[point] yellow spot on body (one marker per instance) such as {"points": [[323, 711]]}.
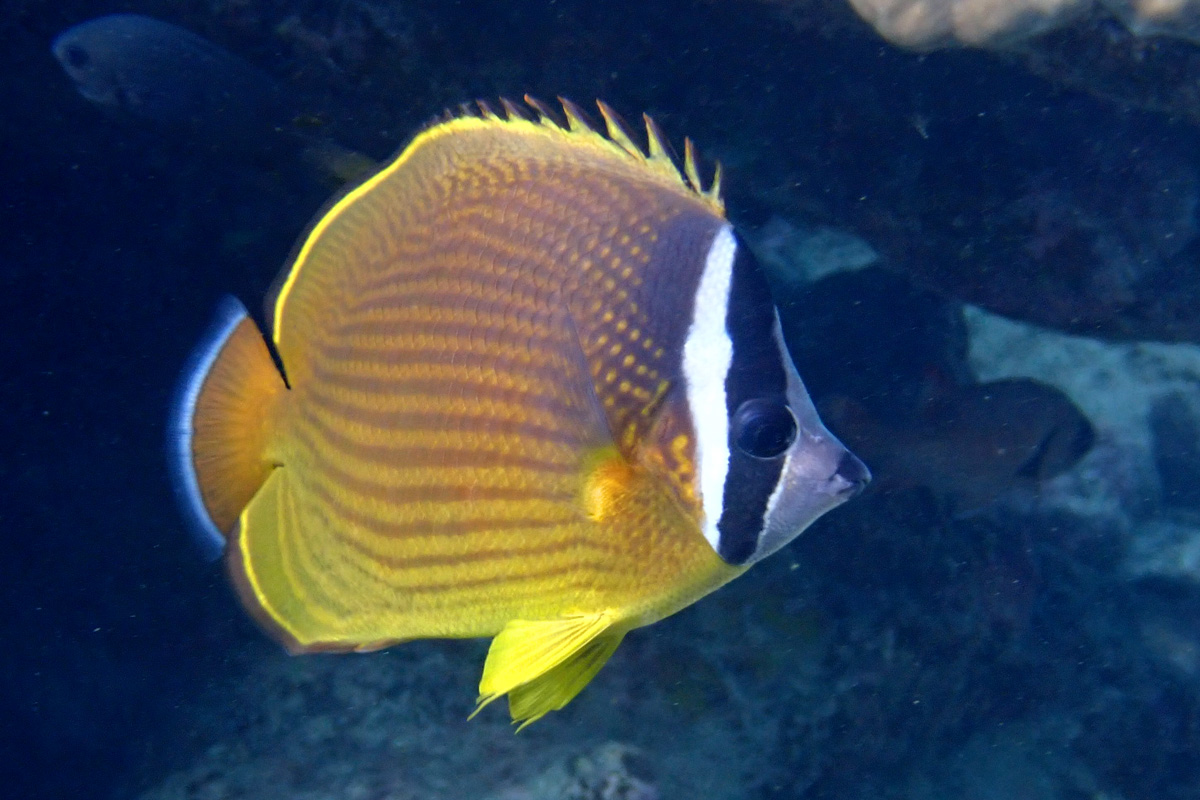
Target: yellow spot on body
{"points": [[641, 368], [606, 485], [629, 437], [625, 386], [615, 349], [628, 360], [610, 376], [679, 447], [608, 316], [622, 325], [634, 335]]}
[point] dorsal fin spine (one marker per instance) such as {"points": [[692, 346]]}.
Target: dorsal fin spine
{"points": [[618, 132], [576, 123], [714, 188], [511, 109], [545, 115], [657, 151], [487, 112], [656, 155], [689, 166]]}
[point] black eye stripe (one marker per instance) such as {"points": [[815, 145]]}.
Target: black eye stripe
{"points": [[756, 375], [756, 370]]}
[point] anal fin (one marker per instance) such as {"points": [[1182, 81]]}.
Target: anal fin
{"points": [[542, 664]]}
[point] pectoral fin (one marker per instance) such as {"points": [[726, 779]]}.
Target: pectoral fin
{"points": [[543, 664]]}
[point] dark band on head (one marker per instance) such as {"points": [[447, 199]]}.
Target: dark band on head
{"points": [[756, 372]]}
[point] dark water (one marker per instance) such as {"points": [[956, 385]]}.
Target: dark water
{"points": [[1039, 646]]}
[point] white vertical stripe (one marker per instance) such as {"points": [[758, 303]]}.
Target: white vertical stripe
{"points": [[707, 355]]}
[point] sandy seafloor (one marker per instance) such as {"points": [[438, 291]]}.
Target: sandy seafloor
{"points": [[1044, 648]]}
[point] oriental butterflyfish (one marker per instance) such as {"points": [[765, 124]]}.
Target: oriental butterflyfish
{"points": [[525, 382]]}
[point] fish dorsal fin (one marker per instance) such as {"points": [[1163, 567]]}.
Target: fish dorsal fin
{"points": [[576, 123], [510, 108], [692, 171], [653, 161], [618, 131], [655, 157], [528, 650]]}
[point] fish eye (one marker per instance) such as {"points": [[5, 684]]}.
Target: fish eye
{"points": [[77, 57], [764, 427]]}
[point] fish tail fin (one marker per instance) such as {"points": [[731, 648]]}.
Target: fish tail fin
{"points": [[542, 665], [218, 429]]}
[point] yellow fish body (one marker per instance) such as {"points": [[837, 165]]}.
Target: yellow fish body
{"points": [[533, 388]]}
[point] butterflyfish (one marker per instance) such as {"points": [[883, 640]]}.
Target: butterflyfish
{"points": [[525, 382]]}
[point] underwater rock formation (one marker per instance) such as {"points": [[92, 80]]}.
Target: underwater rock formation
{"points": [[1097, 237], [925, 24]]}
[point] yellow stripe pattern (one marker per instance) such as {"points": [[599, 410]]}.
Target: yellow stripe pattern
{"points": [[466, 336]]}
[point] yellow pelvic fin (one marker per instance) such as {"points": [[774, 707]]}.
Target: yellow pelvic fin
{"points": [[533, 660], [556, 688]]}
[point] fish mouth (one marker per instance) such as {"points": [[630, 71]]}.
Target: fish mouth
{"points": [[850, 477]]}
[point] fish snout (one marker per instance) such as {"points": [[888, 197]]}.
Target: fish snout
{"points": [[850, 477]]}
